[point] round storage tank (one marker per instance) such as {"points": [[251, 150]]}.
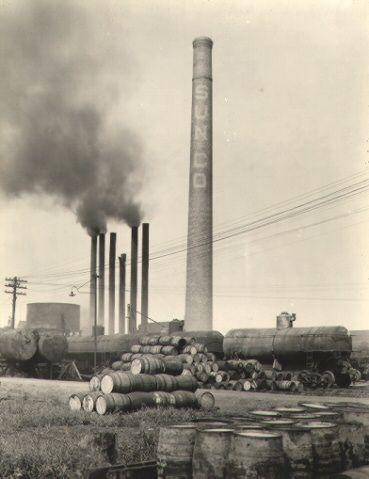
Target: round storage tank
{"points": [[56, 316]]}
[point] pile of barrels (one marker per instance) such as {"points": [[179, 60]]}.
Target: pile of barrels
{"points": [[151, 382], [305, 442]]}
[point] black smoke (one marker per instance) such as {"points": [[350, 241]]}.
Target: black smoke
{"points": [[61, 78]]}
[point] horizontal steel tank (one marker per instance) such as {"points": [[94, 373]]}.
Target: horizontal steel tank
{"points": [[110, 343], [286, 344], [63, 317]]}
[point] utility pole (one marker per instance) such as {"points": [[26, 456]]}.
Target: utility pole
{"points": [[14, 285]]}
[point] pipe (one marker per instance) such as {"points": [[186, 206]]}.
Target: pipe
{"points": [[112, 255], [132, 327], [199, 274], [93, 261], [122, 293], [101, 317], [145, 277]]}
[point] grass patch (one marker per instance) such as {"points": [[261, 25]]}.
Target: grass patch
{"points": [[41, 440]]}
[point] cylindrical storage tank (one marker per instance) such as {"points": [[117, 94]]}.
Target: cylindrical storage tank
{"points": [[52, 347], [114, 343], [175, 451], [286, 344], [17, 345], [211, 453], [63, 317], [256, 454]]}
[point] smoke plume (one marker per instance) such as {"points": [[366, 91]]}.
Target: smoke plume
{"points": [[62, 76]]}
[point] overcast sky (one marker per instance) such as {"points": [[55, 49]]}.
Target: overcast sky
{"points": [[291, 96]]}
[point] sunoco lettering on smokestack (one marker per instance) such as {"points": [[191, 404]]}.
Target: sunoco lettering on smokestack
{"points": [[101, 316], [132, 327], [145, 276], [93, 261], [112, 256], [122, 293], [199, 282]]}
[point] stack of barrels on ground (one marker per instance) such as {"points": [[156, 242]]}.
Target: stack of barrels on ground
{"points": [[153, 379], [306, 442], [22, 350]]}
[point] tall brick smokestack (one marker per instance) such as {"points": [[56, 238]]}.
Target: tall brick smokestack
{"points": [[101, 315], [93, 261], [112, 256], [199, 281], [132, 327], [145, 276], [122, 293]]}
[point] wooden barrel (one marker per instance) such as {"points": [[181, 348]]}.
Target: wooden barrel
{"points": [[202, 377], [120, 382], [175, 451], [270, 385], [136, 348], [136, 356], [285, 385], [125, 367], [200, 368], [200, 348], [89, 401], [75, 401], [197, 358], [141, 399], [126, 357], [185, 399], [154, 340], [178, 341], [185, 358], [112, 402], [149, 365], [52, 347], [148, 383], [167, 383], [211, 357], [205, 399], [173, 367], [186, 372], [298, 450], [144, 340], [187, 349], [187, 383], [116, 365], [256, 454], [353, 445], [270, 374], [211, 452], [207, 368], [16, 345], [95, 383], [163, 398], [222, 376], [169, 351], [326, 448], [156, 349], [146, 349], [165, 340]]}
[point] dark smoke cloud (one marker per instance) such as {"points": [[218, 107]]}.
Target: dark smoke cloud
{"points": [[61, 77]]}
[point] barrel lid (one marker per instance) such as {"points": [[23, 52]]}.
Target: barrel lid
{"points": [[290, 410], [101, 405], [182, 426], [262, 412], [317, 425], [318, 406], [258, 434], [136, 366], [278, 422], [217, 430], [107, 384]]}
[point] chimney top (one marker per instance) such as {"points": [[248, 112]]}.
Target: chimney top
{"points": [[202, 41]]}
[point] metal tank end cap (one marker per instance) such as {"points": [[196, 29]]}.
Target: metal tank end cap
{"points": [[203, 41]]}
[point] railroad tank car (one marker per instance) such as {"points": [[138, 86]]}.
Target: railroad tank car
{"points": [[360, 351], [314, 347], [110, 347]]}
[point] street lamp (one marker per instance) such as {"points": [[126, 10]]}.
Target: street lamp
{"points": [[72, 293]]}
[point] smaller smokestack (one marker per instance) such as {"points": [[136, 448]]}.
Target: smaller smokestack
{"points": [[112, 256], [145, 277], [132, 327], [93, 261], [122, 293], [101, 316]]}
